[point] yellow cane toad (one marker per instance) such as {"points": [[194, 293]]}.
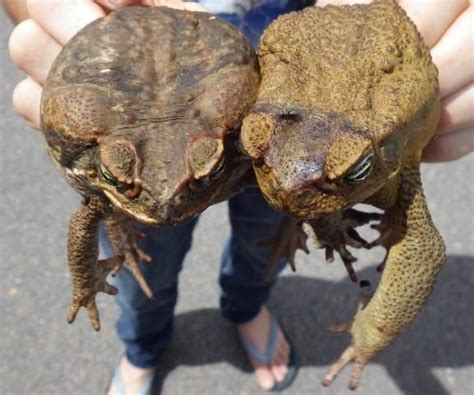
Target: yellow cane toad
{"points": [[348, 100]]}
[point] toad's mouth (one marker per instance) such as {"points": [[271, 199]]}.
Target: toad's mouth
{"points": [[167, 215], [140, 217]]}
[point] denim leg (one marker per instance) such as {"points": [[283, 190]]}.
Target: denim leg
{"points": [[145, 325], [242, 277]]}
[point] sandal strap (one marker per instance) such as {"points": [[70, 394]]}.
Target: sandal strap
{"points": [[266, 356], [117, 380], [145, 389]]}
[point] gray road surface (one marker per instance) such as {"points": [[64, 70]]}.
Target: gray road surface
{"points": [[41, 354]]}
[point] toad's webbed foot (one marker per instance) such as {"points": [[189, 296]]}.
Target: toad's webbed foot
{"points": [[287, 240], [336, 231], [85, 296], [125, 239], [350, 353]]}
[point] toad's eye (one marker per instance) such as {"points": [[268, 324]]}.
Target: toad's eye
{"points": [[216, 173], [218, 170], [107, 176], [361, 170]]}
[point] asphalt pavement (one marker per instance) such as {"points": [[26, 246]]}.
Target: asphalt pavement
{"points": [[41, 354]]}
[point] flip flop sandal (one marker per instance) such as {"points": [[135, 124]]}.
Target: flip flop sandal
{"points": [[266, 356], [118, 382]]}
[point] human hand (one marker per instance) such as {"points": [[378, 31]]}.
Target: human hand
{"points": [[446, 27], [35, 42]]}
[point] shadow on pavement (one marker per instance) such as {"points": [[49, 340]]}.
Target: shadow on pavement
{"points": [[440, 337]]}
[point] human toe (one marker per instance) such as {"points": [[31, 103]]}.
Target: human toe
{"points": [[264, 375]]}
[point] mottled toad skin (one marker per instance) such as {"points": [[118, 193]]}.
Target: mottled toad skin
{"points": [[348, 100], [141, 112]]}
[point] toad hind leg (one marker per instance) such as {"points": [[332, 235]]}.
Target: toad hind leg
{"points": [[414, 259], [87, 272]]}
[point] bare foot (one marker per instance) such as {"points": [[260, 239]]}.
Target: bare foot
{"points": [[256, 332], [133, 378]]}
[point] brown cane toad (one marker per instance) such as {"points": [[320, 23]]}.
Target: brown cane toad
{"points": [[348, 100], [141, 112]]}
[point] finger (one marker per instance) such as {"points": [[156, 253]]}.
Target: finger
{"points": [[354, 239], [380, 267], [453, 54], [433, 18], [115, 270], [349, 268], [62, 20], [356, 374], [302, 245], [457, 110], [132, 265], [111, 263], [384, 236], [450, 146], [16, 10], [345, 326], [72, 311], [347, 255], [361, 217], [93, 314], [346, 357], [117, 4], [110, 289], [143, 256], [26, 101], [323, 3], [195, 7], [329, 254], [33, 50], [178, 4], [292, 263]]}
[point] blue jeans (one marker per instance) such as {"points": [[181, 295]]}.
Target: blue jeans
{"points": [[145, 325]]}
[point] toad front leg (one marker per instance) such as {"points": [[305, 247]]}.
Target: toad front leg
{"points": [[287, 240], [415, 257], [336, 231], [87, 272], [333, 232], [125, 239]]}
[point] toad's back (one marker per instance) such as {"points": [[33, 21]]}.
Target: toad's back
{"points": [[368, 63], [143, 65]]}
